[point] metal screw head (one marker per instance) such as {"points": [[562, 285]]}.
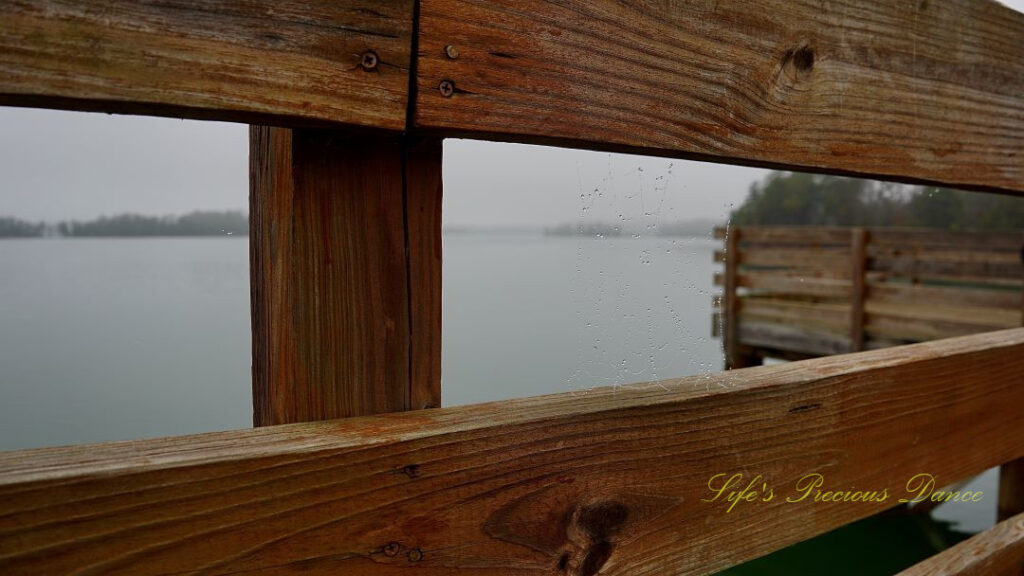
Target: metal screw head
{"points": [[451, 51], [447, 88], [415, 555], [369, 60], [391, 549]]}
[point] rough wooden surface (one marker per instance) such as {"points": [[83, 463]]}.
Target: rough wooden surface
{"points": [[609, 482], [730, 340], [294, 61], [1011, 489], [806, 288], [346, 274], [423, 161], [998, 551], [940, 296], [330, 304], [919, 90], [858, 263]]}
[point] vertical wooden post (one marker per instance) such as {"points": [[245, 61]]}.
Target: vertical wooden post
{"points": [[1011, 474], [336, 259], [858, 287], [423, 230], [1011, 489], [731, 337]]}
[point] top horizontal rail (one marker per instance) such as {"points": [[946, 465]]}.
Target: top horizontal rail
{"points": [[918, 91], [614, 481], [294, 62], [921, 90], [906, 237]]}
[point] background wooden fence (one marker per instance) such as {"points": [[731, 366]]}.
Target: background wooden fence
{"points": [[797, 292]]}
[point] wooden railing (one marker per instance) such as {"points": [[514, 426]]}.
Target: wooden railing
{"points": [[345, 256], [799, 292]]}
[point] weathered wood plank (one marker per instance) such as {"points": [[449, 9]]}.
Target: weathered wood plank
{"points": [[346, 274], [423, 189], [294, 61], [966, 264], [947, 254], [820, 314], [947, 279], [798, 236], [924, 91], [730, 340], [1011, 489], [895, 293], [917, 329], [611, 481], [998, 551], [889, 237], [858, 264], [771, 334], [928, 239], [835, 261], [330, 284], [980, 318], [772, 283]]}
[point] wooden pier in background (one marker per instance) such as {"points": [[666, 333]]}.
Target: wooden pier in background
{"points": [[796, 292]]}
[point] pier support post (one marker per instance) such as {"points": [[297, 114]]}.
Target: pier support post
{"points": [[736, 355], [1011, 489], [345, 256], [858, 290]]}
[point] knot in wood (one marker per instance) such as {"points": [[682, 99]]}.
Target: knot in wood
{"points": [[803, 58]]}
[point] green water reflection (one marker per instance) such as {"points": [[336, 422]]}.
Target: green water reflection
{"points": [[877, 546]]}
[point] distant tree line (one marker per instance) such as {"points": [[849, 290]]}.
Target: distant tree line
{"points": [[785, 198], [15, 228], [192, 224]]}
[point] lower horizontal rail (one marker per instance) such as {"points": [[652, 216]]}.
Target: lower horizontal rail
{"points": [[615, 480], [998, 551]]}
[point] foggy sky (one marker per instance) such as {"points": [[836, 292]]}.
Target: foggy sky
{"points": [[65, 165]]}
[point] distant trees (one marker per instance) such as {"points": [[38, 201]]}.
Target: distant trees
{"points": [[17, 228], [809, 199], [192, 224]]}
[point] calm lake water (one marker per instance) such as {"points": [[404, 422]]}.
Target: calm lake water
{"points": [[107, 339]]}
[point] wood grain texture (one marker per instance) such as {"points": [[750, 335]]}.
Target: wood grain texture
{"points": [[803, 286], [924, 90], [941, 296], [610, 481], [770, 282], [773, 336], [345, 248], [330, 285], [1011, 489], [294, 61], [858, 264], [730, 338], [423, 163], [993, 318], [998, 551]]}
